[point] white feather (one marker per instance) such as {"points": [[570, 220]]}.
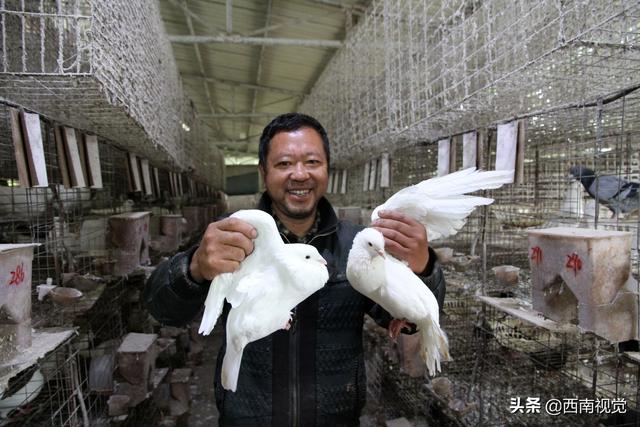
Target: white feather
{"points": [[441, 203]]}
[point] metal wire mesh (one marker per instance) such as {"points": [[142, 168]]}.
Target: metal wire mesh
{"points": [[415, 70], [108, 68]]}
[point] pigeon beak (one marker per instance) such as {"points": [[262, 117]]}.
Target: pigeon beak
{"points": [[381, 253], [322, 261]]}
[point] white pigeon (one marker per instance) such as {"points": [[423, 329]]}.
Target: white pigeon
{"points": [[441, 203], [392, 285], [269, 283]]}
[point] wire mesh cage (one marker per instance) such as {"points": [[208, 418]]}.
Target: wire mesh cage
{"points": [[107, 68]]}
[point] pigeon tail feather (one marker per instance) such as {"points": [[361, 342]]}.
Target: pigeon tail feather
{"points": [[231, 367], [434, 345]]}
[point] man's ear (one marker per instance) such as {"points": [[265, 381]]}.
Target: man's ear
{"points": [[263, 171]]}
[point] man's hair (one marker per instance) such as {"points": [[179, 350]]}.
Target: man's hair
{"points": [[289, 122]]}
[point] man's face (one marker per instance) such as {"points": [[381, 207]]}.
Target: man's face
{"points": [[296, 172]]}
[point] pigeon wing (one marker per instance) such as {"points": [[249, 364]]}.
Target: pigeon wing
{"points": [[406, 291], [214, 302], [606, 187], [252, 286], [440, 204]]}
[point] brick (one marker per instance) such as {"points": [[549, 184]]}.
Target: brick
{"points": [[136, 356], [409, 354], [118, 404], [128, 237]]}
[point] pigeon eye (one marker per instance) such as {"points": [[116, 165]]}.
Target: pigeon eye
{"points": [[370, 244], [308, 257]]}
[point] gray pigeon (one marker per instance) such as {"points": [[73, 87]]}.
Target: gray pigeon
{"points": [[619, 195]]}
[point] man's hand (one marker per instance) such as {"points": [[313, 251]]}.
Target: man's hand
{"points": [[224, 245], [404, 238]]}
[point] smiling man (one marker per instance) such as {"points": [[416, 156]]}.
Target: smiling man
{"points": [[312, 374]]}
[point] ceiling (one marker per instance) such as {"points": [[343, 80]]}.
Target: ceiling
{"points": [[245, 61]]}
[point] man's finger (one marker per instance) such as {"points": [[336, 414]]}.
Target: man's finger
{"points": [[233, 238], [396, 237], [226, 266], [396, 225], [396, 215], [237, 225], [233, 253], [395, 249]]}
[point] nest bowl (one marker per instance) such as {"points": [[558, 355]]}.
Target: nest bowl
{"points": [[65, 296]]}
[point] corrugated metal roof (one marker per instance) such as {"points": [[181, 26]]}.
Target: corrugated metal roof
{"points": [[237, 88]]}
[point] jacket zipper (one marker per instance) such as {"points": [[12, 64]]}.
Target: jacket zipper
{"points": [[322, 235], [294, 348], [294, 384]]}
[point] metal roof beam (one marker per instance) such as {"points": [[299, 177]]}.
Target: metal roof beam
{"points": [[260, 62], [232, 116], [287, 23], [246, 85], [208, 95], [337, 3], [194, 16], [258, 41], [229, 16]]}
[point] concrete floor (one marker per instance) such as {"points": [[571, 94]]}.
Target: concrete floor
{"points": [[203, 404]]}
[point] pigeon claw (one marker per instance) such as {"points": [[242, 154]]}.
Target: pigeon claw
{"points": [[287, 325], [395, 326]]}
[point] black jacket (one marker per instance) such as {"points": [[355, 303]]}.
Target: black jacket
{"points": [[312, 374]]}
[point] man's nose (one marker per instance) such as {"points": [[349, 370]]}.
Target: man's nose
{"points": [[300, 172]]}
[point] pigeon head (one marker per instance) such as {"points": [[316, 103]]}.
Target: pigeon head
{"points": [[371, 240], [307, 260], [582, 174]]}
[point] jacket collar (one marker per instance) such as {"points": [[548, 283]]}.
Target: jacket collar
{"points": [[328, 218]]}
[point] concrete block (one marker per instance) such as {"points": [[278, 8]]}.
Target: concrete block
{"points": [[129, 239], [179, 381], [118, 404], [595, 264], [137, 393], [584, 275], [616, 322], [170, 236], [193, 216], [136, 357], [409, 355], [15, 297], [157, 376]]}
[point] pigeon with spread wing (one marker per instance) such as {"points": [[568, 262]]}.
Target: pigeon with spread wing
{"points": [[442, 206]]}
